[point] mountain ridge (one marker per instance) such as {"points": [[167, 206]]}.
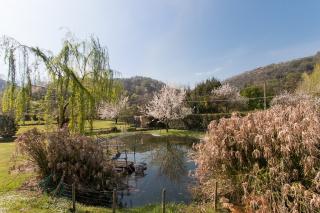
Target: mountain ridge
{"points": [[275, 72]]}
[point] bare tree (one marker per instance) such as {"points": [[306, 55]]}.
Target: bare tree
{"points": [[168, 104], [112, 110]]}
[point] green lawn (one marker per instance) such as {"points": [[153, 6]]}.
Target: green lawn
{"points": [[97, 125], [177, 132], [25, 201], [24, 128], [8, 181], [103, 124]]}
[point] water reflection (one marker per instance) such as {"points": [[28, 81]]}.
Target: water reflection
{"points": [[168, 164], [171, 160]]}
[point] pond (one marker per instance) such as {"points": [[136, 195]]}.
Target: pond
{"points": [[168, 166]]}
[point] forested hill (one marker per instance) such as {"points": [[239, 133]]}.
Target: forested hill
{"points": [[283, 76], [140, 89]]}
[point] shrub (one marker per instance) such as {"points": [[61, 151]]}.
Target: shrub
{"points": [[79, 158], [114, 129], [8, 126], [131, 129], [268, 160], [197, 121], [33, 144]]}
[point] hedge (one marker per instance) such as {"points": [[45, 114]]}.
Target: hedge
{"points": [[198, 121]]}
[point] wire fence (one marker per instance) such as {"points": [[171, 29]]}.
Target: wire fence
{"points": [[102, 198], [86, 196], [110, 198]]}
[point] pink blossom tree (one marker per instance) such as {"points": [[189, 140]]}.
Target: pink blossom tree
{"points": [[112, 110], [168, 104]]}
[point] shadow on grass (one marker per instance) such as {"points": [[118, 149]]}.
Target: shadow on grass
{"points": [[7, 140]]}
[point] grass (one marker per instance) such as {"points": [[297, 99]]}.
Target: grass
{"points": [[41, 127], [97, 125], [8, 181], [177, 132], [162, 132], [26, 201], [103, 124]]}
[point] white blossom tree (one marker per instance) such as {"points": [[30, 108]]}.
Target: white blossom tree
{"points": [[228, 95], [168, 104], [112, 110], [290, 99]]}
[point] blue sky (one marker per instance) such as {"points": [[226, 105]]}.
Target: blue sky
{"points": [[176, 41]]}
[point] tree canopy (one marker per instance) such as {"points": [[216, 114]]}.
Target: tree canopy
{"points": [[168, 104], [76, 79], [254, 93], [311, 83], [199, 97]]}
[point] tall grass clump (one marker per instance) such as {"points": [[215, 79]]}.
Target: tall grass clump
{"points": [[75, 158], [268, 161]]}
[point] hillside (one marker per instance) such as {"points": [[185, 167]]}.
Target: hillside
{"points": [[282, 76], [140, 89]]}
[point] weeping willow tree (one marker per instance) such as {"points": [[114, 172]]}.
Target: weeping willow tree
{"points": [[78, 78], [311, 82]]}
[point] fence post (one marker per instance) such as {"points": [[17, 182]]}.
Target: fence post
{"points": [[163, 200], [114, 200], [125, 151], [215, 196], [73, 197], [134, 154]]}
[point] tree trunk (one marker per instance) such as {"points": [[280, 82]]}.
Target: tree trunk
{"points": [[167, 125], [116, 120], [62, 120]]}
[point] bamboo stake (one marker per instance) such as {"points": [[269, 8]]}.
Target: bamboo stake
{"points": [[114, 200], [215, 196], [163, 200], [73, 197]]}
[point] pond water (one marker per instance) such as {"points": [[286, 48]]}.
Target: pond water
{"points": [[168, 166]]}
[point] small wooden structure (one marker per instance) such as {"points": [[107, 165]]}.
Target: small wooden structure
{"points": [[121, 164], [124, 166]]}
